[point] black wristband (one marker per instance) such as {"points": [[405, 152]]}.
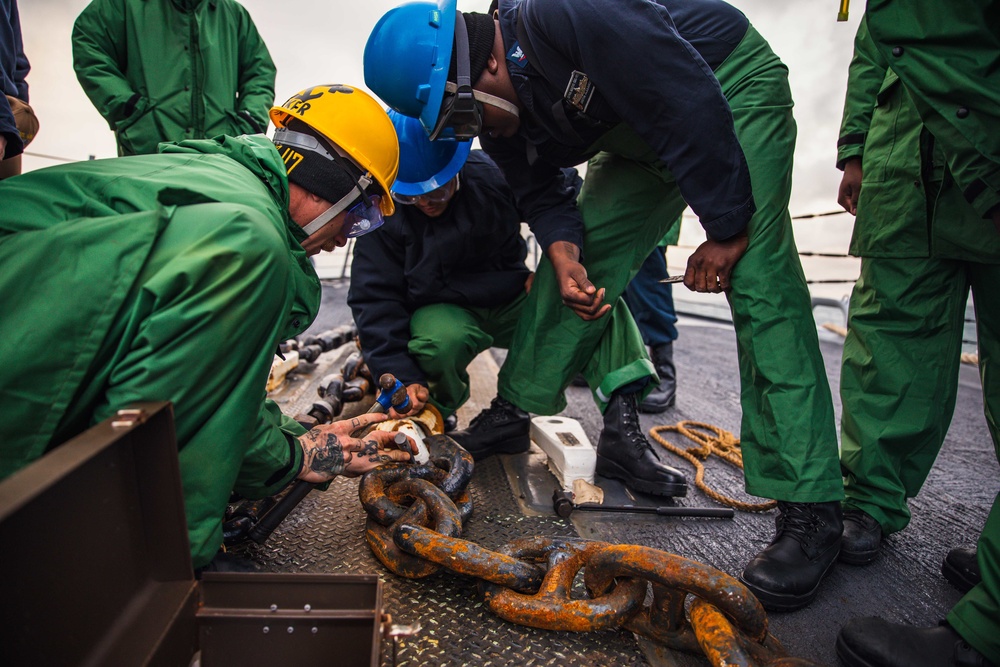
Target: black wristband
{"points": [[293, 443], [131, 104]]}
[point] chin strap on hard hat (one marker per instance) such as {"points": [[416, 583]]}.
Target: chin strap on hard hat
{"points": [[486, 98], [329, 214], [306, 142]]}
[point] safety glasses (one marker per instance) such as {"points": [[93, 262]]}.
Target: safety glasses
{"points": [[437, 196], [363, 217]]}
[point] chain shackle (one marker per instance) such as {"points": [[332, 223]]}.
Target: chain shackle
{"points": [[553, 607], [373, 490], [449, 456], [449, 468]]}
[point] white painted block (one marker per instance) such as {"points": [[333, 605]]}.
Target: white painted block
{"points": [[571, 456]]}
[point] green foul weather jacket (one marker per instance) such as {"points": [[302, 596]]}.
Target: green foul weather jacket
{"points": [[945, 53], [910, 205], [156, 277], [168, 70]]}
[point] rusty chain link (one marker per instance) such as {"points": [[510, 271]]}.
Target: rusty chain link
{"points": [[415, 518]]}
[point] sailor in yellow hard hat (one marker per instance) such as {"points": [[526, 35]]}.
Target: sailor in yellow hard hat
{"points": [[184, 271]]}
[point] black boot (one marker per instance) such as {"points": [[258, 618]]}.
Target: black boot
{"points": [[501, 428], [862, 538], [875, 642], [623, 453], [961, 568], [786, 575], [665, 393]]}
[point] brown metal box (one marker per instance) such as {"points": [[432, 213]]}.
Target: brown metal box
{"points": [[95, 569], [290, 619]]}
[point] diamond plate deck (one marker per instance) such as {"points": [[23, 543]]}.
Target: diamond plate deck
{"points": [[904, 584], [325, 534]]}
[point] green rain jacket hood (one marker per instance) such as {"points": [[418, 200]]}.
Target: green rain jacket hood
{"points": [[74, 240]]}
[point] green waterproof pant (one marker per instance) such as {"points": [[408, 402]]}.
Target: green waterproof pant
{"points": [[899, 382], [445, 338], [199, 328], [629, 200]]}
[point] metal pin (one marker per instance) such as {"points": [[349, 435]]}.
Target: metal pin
{"points": [[128, 417]]}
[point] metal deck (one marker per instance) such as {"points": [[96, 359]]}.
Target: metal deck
{"points": [[512, 499]]}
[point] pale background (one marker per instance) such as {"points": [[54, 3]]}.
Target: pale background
{"points": [[313, 42]]}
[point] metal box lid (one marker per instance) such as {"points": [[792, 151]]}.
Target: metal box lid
{"points": [[96, 568]]}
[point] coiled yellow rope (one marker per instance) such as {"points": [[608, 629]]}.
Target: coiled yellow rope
{"points": [[710, 440]]}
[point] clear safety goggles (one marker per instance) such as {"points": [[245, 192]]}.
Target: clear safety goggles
{"points": [[438, 196], [363, 217]]}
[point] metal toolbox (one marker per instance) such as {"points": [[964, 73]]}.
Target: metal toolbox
{"points": [[95, 569]]}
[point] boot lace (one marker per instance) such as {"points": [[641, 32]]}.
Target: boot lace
{"points": [[632, 431], [797, 520], [499, 412]]}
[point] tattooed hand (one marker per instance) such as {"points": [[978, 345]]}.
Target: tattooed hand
{"points": [[329, 450]]}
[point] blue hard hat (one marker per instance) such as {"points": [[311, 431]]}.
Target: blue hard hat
{"points": [[424, 165], [407, 58]]}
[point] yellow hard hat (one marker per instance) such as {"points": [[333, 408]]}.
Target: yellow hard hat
{"points": [[352, 120]]}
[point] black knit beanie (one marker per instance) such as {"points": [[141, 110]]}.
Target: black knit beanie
{"points": [[312, 171], [482, 31]]}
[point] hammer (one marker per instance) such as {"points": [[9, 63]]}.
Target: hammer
{"points": [[392, 395], [562, 503]]}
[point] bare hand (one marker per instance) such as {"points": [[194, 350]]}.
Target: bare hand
{"points": [[329, 450], [710, 267], [3, 146], [418, 395], [529, 282], [577, 292], [850, 186]]}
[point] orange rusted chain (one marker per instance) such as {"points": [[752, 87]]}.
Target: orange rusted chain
{"points": [[468, 558], [676, 572], [416, 514], [722, 444], [431, 508], [554, 608]]}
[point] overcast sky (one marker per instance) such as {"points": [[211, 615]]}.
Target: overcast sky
{"points": [[322, 41]]}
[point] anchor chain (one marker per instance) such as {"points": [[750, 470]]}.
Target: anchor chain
{"points": [[416, 514]]}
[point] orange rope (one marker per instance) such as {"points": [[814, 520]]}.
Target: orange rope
{"points": [[723, 444]]}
